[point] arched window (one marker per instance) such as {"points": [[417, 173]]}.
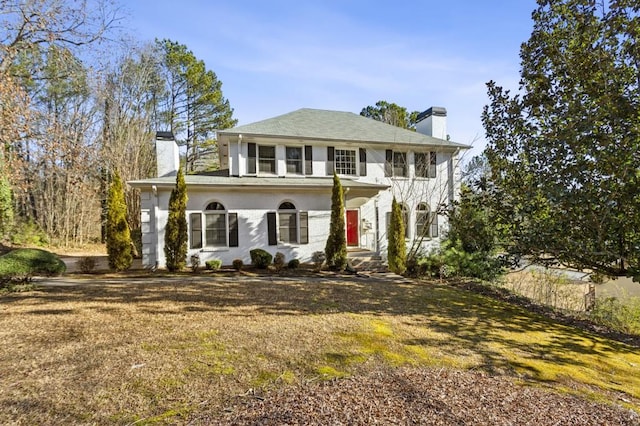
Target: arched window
{"points": [[288, 223], [220, 227], [426, 222], [215, 221]]}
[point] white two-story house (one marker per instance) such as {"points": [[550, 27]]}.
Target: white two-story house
{"points": [[273, 190]]}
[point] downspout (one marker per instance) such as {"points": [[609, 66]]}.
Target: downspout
{"points": [[156, 242], [237, 159]]}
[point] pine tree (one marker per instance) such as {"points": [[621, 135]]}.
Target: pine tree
{"points": [[118, 235], [176, 235], [396, 251], [336, 247]]}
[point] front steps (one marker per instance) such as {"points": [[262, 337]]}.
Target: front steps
{"points": [[366, 261]]}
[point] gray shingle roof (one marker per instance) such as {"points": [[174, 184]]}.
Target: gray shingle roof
{"points": [[319, 124]]}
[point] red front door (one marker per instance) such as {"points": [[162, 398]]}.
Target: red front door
{"points": [[352, 227]]}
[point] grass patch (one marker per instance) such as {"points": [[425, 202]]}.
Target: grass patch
{"points": [[164, 349]]}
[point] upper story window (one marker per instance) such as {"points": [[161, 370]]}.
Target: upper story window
{"points": [[400, 168], [425, 164], [267, 159], [345, 161], [294, 160]]}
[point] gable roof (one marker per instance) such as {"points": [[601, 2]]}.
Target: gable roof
{"points": [[327, 125]]}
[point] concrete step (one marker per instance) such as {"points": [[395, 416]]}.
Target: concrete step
{"points": [[367, 261]]}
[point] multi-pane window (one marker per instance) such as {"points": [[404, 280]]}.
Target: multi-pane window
{"points": [[426, 222], [288, 223], [345, 160], [400, 164], [267, 159], [215, 219], [425, 164], [294, 160]]}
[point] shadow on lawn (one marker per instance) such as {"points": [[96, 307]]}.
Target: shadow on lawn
{"points": [[489, 328]]}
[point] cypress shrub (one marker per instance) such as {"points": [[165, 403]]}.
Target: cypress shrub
{"points": [[176, 234], [336, 247], [118, 234], [396, 250]]}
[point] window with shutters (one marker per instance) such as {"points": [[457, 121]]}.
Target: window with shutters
{"points": [[214, 227], [345, 161], [426, 222], [288, 225], [425, 164]]}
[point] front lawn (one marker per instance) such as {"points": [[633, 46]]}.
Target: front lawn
{"points": [[169, 349]]}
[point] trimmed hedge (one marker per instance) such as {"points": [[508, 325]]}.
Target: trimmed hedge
{"points": [[213, 264], [22, 264], [260, 258]]}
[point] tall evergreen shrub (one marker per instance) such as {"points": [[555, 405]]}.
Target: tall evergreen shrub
{"points": [[6, 206], [336, 247], [118, 234], [397, 249], [175, 234]]}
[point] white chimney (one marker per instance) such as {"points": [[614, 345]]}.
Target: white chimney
{"points": [[167, 154], [433, 122]]}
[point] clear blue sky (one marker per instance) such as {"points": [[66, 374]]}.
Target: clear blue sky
{"points": [[276, 56]]}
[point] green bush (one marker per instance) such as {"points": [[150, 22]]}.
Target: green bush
{"points": [[452, 261], [260, 258], [237, 264], [213, 264], [28, 234], [22, 264], [293, 264], [618, 315]]}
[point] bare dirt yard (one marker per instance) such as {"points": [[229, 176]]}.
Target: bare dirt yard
{"points": [[229, 348]]}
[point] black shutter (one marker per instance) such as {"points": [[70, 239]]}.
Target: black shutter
{"points": [[251, 158], [388, 164], [271, 228], [363, 162], [308, 160], [233, 229], [304, 228], [330, 158]]}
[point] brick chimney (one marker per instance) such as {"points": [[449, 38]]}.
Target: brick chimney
{"points": [[433, 122]]}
